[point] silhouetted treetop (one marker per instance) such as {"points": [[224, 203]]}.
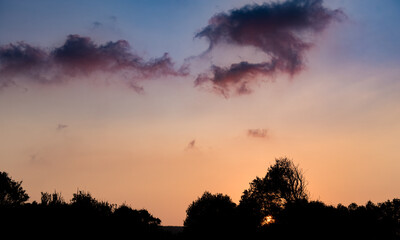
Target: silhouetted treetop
{"points": [[85, 201], [284, 182], [210, 213], [136, 217], [11, 192], [54, 199]]}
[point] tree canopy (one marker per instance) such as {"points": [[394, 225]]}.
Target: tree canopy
{"points": [[284, 182], [210, 214], [11, 192]]}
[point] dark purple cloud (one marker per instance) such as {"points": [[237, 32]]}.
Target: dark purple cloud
{"points": [[20, 58], [238, 74], [280, 30], [258, 133], [80, 56]]}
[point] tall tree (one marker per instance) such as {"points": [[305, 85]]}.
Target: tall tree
{"points": [[11, 192], [283, 183]]}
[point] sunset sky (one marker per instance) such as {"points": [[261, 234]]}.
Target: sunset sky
{"points": [[151, 103]]}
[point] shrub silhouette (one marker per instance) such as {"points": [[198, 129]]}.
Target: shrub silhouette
{"points": [[210, 215], [54, 199], [86, 204], [128, 221]]}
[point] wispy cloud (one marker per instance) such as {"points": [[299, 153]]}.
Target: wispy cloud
{"points": [[281, 30], [80, 57], [257, 133], [36, 160], [191, 145], [61, 127]]}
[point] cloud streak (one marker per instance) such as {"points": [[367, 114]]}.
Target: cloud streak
{"points": [[280, 30], [80, 57], [61, 127], [257, 133], [191, 145]]}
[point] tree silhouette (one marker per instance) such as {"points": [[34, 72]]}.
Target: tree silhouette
{"points": [[85, 203], [283, 183], [280, 196], [54, 199], [11, 192], [210, 214], [132, 220]]}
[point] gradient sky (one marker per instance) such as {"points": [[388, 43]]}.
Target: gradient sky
{"points": [[159, 143]]}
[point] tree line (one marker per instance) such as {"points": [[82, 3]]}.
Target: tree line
{"points": [[274, 206], [82, 217], [278, 206]]}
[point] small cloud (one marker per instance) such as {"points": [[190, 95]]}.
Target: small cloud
{"points": [[61, 127], [191, 145], [35, 159], [258, 133], [113, 18], [97, 24]]}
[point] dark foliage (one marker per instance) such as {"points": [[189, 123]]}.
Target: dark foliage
{"points": [[210, 215], [315, 220], [73, 220], [284, 183], [11, 192], [277, 207], [274, 207], [83, 217]]}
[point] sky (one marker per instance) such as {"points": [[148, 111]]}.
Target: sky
{"points": [[151, 103]]}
